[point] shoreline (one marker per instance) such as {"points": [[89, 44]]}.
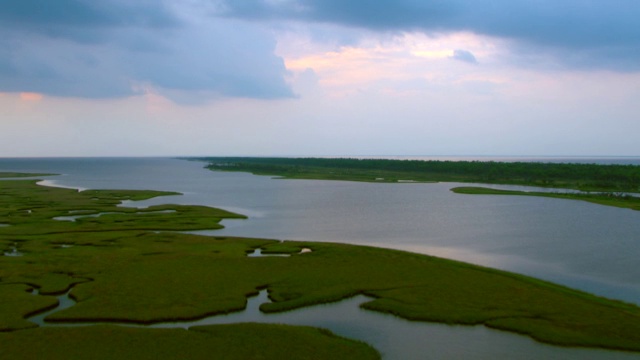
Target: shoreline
{"points": [[330, 264]]}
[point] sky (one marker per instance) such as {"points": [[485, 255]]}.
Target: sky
{"points": [[319, 77]]}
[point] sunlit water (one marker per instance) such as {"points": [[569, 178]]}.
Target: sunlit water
{"points": [[587, 246]]}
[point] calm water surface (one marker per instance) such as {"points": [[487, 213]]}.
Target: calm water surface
{"points": [[395, 338], [586, 246]]}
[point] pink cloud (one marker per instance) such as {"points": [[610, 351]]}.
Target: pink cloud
{"points": [[30, 96]]}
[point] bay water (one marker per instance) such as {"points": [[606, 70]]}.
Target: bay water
{"points": [[578, 244]]}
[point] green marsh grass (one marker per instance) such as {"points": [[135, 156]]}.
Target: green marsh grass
{"points": [[134, 267], [581, 176], [225, 342], [608, 199]]}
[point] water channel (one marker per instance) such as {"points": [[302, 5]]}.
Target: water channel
{"points": [[395, 338], [591, 247]]}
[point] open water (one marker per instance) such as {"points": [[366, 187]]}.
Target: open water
{"points": [[582, 245]]}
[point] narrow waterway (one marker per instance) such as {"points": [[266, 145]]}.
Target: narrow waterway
{"points": [[587, 246], [395, 338]]}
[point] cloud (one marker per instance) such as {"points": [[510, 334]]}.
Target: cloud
{"points": [[84, 20], [106, 49], [194, 50], [464, 56], [30, 96], [582, 33]]}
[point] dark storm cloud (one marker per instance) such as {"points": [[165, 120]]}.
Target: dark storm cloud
{"points": [[591, 33], [115, 48], [86, 12], [83, 19], [384, 14]]}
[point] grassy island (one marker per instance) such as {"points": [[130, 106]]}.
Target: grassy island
{"points": [[8, 175], [608, 199], [127, 265], [586, 177], [611, 182]]}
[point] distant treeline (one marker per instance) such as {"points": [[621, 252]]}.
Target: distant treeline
{"points": [[571, 175]]}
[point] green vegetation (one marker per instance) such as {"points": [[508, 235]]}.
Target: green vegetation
{"points": [[608, 199], [7, 175], [237, 341], [587, 177], [30, 209], [131, 267], [59, 255]]}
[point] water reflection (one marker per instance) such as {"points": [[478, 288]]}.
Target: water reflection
{"points": [[555, 239], [395, 338], [591, 247], [401, 339], [583, 245]]}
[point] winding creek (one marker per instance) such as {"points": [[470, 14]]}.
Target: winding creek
{"points": [[394, 337], [591, 247], [73, 218]]}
